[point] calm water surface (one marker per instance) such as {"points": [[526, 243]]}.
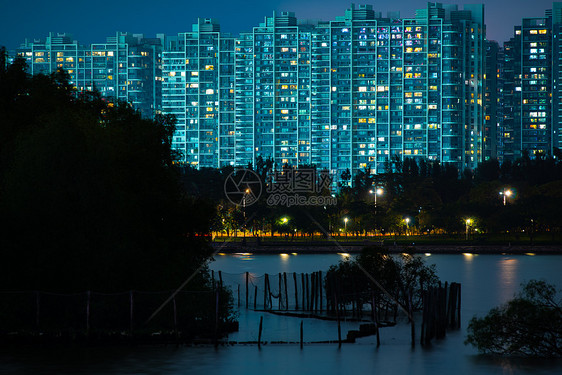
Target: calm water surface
{"points": [[487, 280]]}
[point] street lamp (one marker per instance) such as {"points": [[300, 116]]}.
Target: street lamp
{"points": [[468, 222], [407, 220], [345, 220], [246, 192], [285, 220], [377, 191], [506, 194]]}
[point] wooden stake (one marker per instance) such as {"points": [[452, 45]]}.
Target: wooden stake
{"points": [[37, 309], [301, 334], [216, 318], [459, 308], [321, 286], [175, 317], [266, 282], [259, 332], [286, 295], [247, 276], [131, 312], [88, 312], [255, 297], [303, 291], [296, 291]]}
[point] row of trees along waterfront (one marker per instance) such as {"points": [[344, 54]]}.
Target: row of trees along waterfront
{"points": [[417, 197]]}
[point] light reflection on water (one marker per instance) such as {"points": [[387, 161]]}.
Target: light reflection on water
{"points": [[487, 280], [507, 277]]}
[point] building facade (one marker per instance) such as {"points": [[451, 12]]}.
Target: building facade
{"points": [[347, 94], [198, 89], [127, 67], [344, 94], [530, 88]]}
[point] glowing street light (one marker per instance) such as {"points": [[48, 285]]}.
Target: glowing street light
{"points": [[284, 220], [345, 220], [246, 192], [506, 194], [468, 222], [407, 220], [377, 191]]}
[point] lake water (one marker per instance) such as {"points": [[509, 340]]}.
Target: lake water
{"points": [[487, 280]]}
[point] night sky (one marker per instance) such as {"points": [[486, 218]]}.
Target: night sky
{"points": [[93, 21]]}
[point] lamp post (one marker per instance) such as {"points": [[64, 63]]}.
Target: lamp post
{"points": [[377, 191], [345, 220], [407, 220], [467, 222], [246, 192], [506, 194], [285, 220]]}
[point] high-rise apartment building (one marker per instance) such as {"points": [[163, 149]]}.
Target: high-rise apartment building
{"points": [[198, 89], [127, 67], [273, 92], [347, 94], [530, 88], [491, 103], [344, 94]]}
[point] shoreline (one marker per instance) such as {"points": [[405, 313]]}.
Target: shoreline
{"points": [[316, 248]]}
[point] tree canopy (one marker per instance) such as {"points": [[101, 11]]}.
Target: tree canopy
{"points": [[89, 196], [529, 325]]}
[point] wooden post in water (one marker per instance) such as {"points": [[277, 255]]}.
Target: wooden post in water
{"points": [[238, 295], [296, 291], [338, 320], [307, 293], [37, 309], [259, 332], [424, 317], [411, 313], [321, 286], [88, 296], [131, 312], [286, 294], [220, 280], [301, 334], [375, 319], [266, 282], [312, 290], [303, 291], [216, 317], [255, 297], [459, 307], [280, 294], [247, 275], [269, 293], [175, 318]]}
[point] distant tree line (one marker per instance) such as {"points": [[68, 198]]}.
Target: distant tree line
{"points": [[417, 196]]}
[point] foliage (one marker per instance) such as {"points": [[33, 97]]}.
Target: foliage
{"points": [[396, 276], [529, 325], [89, 196]]}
